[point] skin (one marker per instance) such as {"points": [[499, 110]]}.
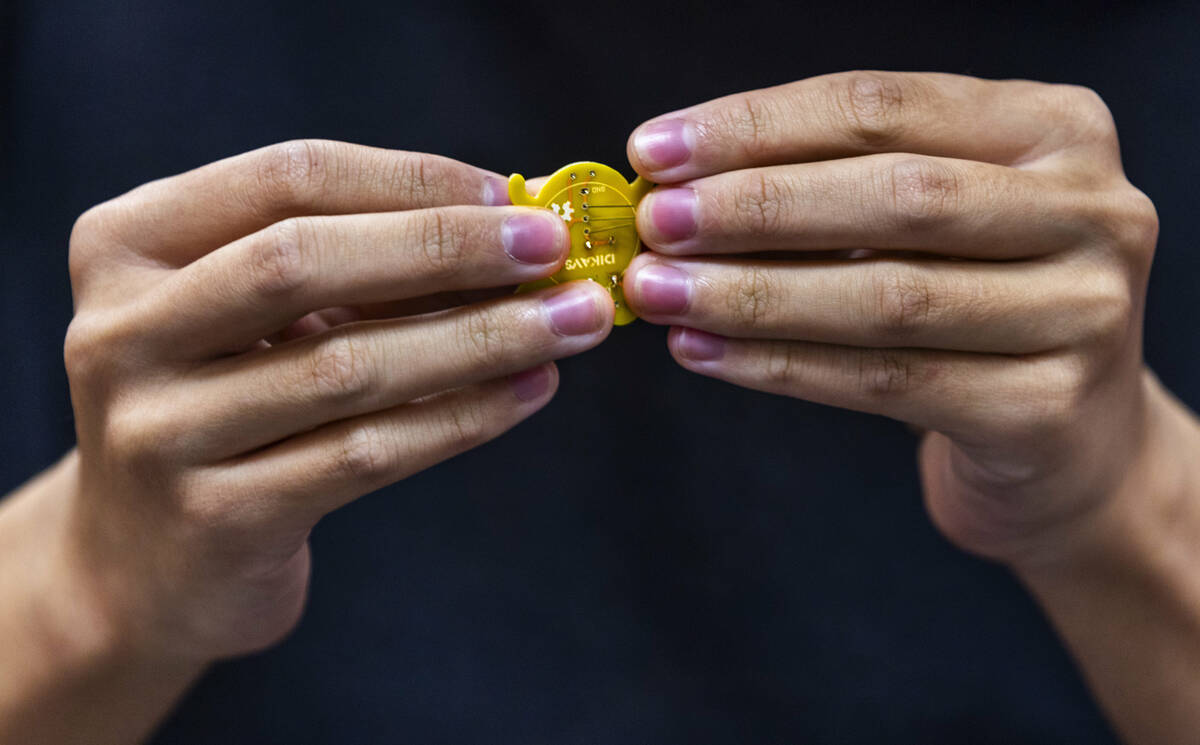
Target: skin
{"points": [[966, 256], [243, 360], [963, 255]]}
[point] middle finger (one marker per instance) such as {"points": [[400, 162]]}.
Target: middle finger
{"points": [[258, 285], [888, 202]]}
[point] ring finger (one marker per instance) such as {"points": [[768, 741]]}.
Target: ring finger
{"points": [[266, 396], [970, 397], [997, 307], [307, 476]]}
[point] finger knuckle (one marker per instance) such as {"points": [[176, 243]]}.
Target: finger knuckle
{"points": [[484, 336], [1089, 100], [1121, 220], [94, 221], [923, 193], [760, 205], [89, 236], [363, 455], [782, 363], [293, 172], [1060, 390], [339, 368], [1080, 112], [884, 373], [90, 348], [872, 106], [749, 125], [1092, 115], [133, 439], [277, 262], [468, 422], [904, 302], [1135, 225], [1109, 309], [752, 297], [82, 347], [419, 178], [149, 433], [443, 243], [1143, 218]]}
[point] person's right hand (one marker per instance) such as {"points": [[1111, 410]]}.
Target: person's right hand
{"points": [[220, 414]]}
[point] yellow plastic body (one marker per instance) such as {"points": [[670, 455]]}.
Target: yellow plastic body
{"points": [[598, 205]]}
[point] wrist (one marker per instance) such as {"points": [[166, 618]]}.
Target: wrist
{"points": [[70, 664], [70, 617], [1151, 517], [1123, 591], [52, 610]]}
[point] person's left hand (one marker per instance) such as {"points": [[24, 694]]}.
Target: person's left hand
{"points": [[960, 254]]}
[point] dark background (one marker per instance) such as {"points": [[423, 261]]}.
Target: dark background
{"points": [[656, 557]]}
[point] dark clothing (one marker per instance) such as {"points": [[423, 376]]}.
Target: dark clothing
{"points": [[656, 557]]}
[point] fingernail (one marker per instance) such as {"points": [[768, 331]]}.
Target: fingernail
{"points": [[699, 346], [673, 212], [661, 289], [533, 238], [495, 191], [531, 384], [573, 312], [664, 144]]}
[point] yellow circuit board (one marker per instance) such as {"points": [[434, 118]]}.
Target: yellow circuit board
{"points": [[598, 205]]}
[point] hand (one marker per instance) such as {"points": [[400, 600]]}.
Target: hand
{"points": [[960, 254], [207, 452]]}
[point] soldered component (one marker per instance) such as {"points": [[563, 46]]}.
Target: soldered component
{"points": [[599, 212]]}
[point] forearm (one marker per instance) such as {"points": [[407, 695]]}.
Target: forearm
{"points": [[68, 673], [1126, 597]]}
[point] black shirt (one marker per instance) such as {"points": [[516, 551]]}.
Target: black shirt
{"points": [[656, 557]]}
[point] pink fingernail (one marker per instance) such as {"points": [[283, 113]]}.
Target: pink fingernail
{"points": [[573, 311], [534, 237], [699, 346], [495, 191], [664, 144], [673, 212], [661, 290], [531, 384]]}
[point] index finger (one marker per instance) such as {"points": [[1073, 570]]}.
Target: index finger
{"points": [[860, 113], [176, 220]]}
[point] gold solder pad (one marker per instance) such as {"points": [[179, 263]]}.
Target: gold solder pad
{"points": [[598, 205]]}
